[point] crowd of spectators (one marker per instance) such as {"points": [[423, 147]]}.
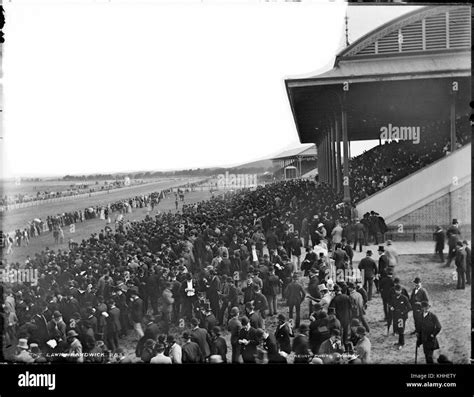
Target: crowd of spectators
{"points": [[8, 200], [386, 164], [55, 223], [193, 271]]}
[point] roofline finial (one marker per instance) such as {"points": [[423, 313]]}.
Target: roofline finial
{"points": [[346, 20]]}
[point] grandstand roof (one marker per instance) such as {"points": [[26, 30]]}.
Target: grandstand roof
{"points": [[399, 72], [305, 151]]}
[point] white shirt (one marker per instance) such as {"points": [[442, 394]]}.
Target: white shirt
{"points": [[160, 358], [190, 287], [176, 354]]}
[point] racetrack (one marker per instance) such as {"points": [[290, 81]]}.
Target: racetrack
{"points": [[18, 218]]}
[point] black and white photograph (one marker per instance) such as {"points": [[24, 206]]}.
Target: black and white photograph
{"points": [[235, 182]]}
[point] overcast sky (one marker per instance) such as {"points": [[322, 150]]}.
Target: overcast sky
{"points": [[123, 87]]}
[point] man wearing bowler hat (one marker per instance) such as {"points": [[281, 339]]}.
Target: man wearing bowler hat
{"points": [[384, 262], [57, 328], [460, 262], [283, 333], [342, 303], [418, 295], [429, 329], [368, 267], [294, 295], [363, 346], [468, 261], [399, 306], [234, 326], [453, 234]]}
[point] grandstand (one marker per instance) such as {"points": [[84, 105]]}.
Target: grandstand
{"points": [[413, 74], [303, 159]]}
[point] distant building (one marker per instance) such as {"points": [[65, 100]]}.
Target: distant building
{"points": [[295, 163]]}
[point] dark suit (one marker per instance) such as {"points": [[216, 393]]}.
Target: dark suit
{"points": [[282, 336], [429, 328], [313, 290], [201, 337], [439, 237], [401, 306], [460, 262], [383, 265], [340, 257], [137, 310], [113, 328], [57, 331], [386, 286], [152, 331], [295, 295], [234, 326], [271, 346], [249, 351], [213, 294], [40, 333], [359, 235], [342, 304], [191, 353], [256, 320], [208, 322], [415, 301], [468, 265], [301, 349], [453, 234], [260, 303], [318, 333], [271, 286], [369, 268], [188, 301], [219, 347]]}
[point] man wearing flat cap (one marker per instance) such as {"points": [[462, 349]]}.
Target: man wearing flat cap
{"points": [[429, 329]]}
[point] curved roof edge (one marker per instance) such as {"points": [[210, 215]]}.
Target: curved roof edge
{"points": [[393, 25]]}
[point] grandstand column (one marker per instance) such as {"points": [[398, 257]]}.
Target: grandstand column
{"points": [[325, 173], [328, 149], [320, 162], [338, 155], [333, 156], [323, 146], [345, 144], [329, 158], [328, 162], [454, 89]]}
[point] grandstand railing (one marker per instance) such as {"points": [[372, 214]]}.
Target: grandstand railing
{"points": [[456, 164]]}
